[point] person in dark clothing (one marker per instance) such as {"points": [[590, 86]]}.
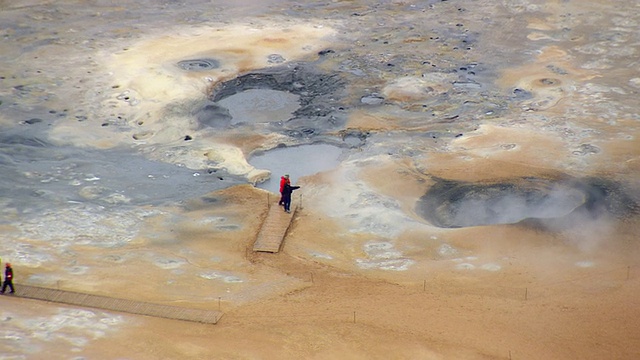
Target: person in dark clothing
{"points": [[8, 279], [286, 195], [283, 180]]}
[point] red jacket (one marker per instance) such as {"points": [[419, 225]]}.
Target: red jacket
{"points": [[283, 180]]}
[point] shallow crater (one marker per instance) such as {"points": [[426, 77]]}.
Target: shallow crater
{"points": [[301, 97], [454, 204], [198, 64]]}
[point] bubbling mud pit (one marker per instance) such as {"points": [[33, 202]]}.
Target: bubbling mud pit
{"points": [[295, 100], [452, 204], [306, 99]]}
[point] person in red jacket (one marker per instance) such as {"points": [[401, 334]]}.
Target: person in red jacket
{"points": [[286, 195], [8, 279], [283, 180]]}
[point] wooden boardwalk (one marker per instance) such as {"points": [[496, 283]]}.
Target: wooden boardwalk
{"points": [[274, 228], [120, 305]]}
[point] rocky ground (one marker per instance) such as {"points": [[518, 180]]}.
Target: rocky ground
{"points": [[483, 203]]}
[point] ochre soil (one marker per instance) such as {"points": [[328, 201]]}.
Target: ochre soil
{"points": [[529, 310]]}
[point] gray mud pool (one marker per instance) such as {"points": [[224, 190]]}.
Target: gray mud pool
{"points": [[297, 161]]}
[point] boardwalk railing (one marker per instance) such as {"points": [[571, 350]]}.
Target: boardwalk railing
{"points": [[114, 304]]}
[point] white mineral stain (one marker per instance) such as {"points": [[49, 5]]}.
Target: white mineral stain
{"points": [[585, 264], [382, 255]]}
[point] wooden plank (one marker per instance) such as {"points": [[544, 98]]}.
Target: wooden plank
{"points": [[273, 229]]}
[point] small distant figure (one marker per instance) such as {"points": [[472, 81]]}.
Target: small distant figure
{"points": [[8, 279], [286, 195], [283, 180]]}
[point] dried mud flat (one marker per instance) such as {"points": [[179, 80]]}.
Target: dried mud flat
{"points": [[484, 204]]}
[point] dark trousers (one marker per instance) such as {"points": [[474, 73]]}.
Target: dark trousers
{"points": [[8, 283], [286, 201]]}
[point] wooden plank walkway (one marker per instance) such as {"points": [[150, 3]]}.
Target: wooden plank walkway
{"points": [[274, 228], [120, 305]]}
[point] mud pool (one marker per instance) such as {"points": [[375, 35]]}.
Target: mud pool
{"points": [[428, 137], [297, 162], [260, 106]]}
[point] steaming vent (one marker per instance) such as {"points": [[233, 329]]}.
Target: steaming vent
{"points": [[452, 204]]}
